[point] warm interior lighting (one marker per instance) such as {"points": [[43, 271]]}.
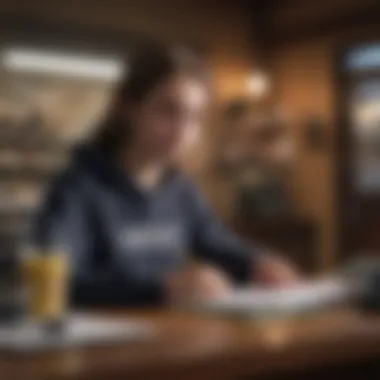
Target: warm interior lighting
{"points": [[54, 63], [258, 84]]}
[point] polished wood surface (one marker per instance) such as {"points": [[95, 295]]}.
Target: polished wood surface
{"points": [[194, 347]]}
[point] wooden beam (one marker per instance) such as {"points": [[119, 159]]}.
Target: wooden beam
{"points": [[327, 26], [260, 16]]}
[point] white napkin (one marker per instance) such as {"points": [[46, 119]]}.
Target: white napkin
{"points": [[79, 330]]}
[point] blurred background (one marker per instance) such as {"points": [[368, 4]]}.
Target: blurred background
{"points": [[290, 155]]}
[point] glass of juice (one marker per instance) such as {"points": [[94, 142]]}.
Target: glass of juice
{"points": [[45, 275]]}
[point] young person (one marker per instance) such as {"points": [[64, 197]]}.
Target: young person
{"points": [[132, 223]]}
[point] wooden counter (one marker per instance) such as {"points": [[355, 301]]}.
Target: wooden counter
{"points": [[194, 347]]}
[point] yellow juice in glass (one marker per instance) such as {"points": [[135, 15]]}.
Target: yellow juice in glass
{"points": [[46, 279]]}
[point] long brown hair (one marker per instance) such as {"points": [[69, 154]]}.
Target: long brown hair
{"points": [[148, 67]]}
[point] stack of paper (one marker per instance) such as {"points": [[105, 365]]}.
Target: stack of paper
{"points": [[260, 302]]}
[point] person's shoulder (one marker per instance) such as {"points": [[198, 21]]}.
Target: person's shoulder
{"points": [[183, 182], [188, 189], [66, 181], [71, 177], [77, 170]]}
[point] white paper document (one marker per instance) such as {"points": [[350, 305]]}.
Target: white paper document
{"points": [[79, 330], [258, 301]]}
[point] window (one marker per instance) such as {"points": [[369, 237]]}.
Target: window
{"points": [[363, 65]]}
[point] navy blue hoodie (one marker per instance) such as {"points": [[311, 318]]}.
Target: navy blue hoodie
{"points": [[122, 241]]}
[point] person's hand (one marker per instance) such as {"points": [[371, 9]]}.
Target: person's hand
{"points": [[197, 282], [274, 271]]}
